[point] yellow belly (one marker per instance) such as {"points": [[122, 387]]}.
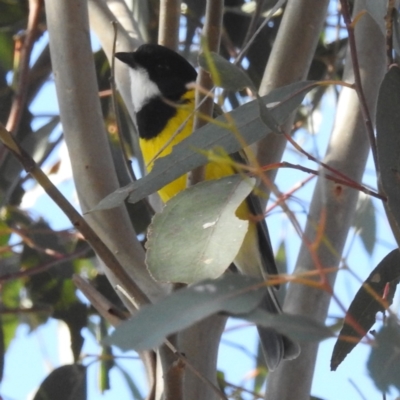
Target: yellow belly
{"points": [[151, 150], [248, 260]]}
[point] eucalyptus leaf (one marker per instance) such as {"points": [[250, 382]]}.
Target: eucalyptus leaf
{"points": [[384, 361], [360, 316], [229, 76], [377, 9], [365, 222], [187, 155], [388, 138], [64, 383], [232, 293], [197, 235]]}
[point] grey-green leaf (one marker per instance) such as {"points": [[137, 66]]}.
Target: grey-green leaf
{"points": [[197, 235], [388, 138], [384, 361], [67, 382], [377, 9], [186, 155], [232, 293], [230, 76], [365, 222]]}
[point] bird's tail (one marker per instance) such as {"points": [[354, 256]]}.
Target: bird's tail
{"points": [[276, 347]]}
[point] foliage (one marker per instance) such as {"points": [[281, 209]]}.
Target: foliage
{"points": [[38, 259]]}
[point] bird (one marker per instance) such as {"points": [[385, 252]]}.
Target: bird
{"points": [[163, 104]]}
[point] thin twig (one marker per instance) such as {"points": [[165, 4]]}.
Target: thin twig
{"points": [[18, 104], [345, 182], [21, 75], [30, 310], [242, 389], [44, 267], [121, 140], [345, 179], [247, 45], [105, 308], [289, 193], [215, 389], [254, 21]]}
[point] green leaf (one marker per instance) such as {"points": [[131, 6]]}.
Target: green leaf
{"points": [[362, 311], [9, 325], [10, 297], [229, 76], [365, 222], [233, 293], [384, 361], [186, 155], [6, 51], [64, 383], [107, 358], [197, 235], [104, 369], [5, 234], [282, 266], [388, 139]]}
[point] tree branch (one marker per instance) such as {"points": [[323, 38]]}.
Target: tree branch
{"points": [[86, 138], [168, 29], [211, 35], [297, 40], [348, 151]]}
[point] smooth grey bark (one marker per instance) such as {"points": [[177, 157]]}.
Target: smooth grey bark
{"points": [[86, 137], [289, 62], [348, 151], [200, 344]]}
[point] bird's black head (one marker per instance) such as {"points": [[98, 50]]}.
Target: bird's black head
{"points": [[166, 68]]}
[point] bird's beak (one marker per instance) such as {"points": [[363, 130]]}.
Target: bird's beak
{"points": [[127, 58]]}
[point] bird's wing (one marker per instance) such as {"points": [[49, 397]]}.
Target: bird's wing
{"points": [[264, 241]]}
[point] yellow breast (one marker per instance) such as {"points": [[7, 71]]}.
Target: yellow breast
{"points": [[162, 145], [248, 259]]}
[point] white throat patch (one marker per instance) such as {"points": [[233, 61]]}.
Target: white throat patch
{"points": [[142, 88]]}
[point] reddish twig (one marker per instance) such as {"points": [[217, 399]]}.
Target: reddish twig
{"points": [[289, 193], [44, 267], [20, 310], [345, 180], [22, 73], [312, 246]]}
